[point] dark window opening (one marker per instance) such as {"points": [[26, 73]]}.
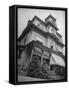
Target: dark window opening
{"points": [[52, 47]]}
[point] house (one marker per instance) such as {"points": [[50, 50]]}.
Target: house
{"points": [[41, 40]]}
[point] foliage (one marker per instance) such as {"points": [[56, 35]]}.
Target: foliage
{"points": [[36, 70]]}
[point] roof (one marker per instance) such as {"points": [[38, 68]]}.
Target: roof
{"points": [[51, 17]]}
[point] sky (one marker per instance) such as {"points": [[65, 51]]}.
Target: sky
{"points": [[25, 14]]}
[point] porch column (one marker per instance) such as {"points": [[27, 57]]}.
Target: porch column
{"points": [[31, 54], [29, 57]]}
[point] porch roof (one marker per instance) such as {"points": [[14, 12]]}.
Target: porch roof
{"points": [[57, 60]]}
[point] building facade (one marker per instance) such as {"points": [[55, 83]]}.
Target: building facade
{"points": [[41, 44]]}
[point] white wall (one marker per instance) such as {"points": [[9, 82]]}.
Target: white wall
{"points": [[36, 37]]}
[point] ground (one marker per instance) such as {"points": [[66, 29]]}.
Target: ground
{"points": [[22, 78], [27, 78]]}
